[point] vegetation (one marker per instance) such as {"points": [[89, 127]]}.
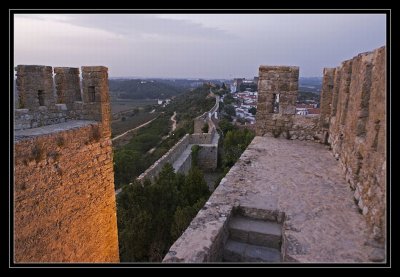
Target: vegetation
{"points": [[231, 145], [131, 104], [153, 215], [234, 143], [306, 96], [143, 89], [154, 140], [128, 122]]}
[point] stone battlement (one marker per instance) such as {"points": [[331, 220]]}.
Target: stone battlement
{"points": [[46, 100]]}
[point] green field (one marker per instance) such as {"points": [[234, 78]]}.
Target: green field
{"points": [[124, 105], [120, 126]]}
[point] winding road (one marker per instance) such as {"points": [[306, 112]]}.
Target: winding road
{"points": [[173, 122]]}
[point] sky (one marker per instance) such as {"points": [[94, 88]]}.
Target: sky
{"points": [[195, 45]]}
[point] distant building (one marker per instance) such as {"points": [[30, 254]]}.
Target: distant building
{"points": [[237, 82]]}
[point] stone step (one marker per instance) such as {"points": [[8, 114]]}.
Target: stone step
{"points": [[235, 251], [256, 232]]}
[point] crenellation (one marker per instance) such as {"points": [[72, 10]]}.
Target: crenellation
{"points": [[68, 86], [35, 86], [39, 106]]}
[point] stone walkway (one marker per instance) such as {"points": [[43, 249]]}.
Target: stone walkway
{"points": [[301, 179], [49, 129]]}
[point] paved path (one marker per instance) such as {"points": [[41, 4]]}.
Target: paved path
{"points": [[305, 181], [49, 129]]}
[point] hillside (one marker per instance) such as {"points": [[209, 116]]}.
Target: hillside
{"points": [[142, 89]]}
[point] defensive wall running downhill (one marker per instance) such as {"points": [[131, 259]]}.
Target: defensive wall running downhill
{"points": [[289, 199], [180, 155], [64, 201]]}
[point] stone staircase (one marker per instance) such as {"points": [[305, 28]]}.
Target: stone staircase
{"points": [[253, 240]]}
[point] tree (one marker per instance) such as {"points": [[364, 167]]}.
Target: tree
{"points": [[223, 86], [228, 99], [195, 186], [235, 142], [230, 110], [152, 215], [127, 165], [225, 126]]}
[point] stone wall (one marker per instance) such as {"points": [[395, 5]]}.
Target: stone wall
{"points": [[357, 129], [306, 127], [208, 157], [64, 200], [170, 157]]}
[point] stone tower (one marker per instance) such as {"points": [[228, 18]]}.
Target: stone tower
{"points": [[277, 94], [64, 199]]}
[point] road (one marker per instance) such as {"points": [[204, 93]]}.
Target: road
{"points": [[173, 122]]}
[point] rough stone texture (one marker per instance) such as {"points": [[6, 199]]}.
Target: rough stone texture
{"points": [[33, 80], [208, 157], [64, 197], [68, 85], [357, 131], [64, 201], [326, 96], [274, 81], [295, 182], [306, 127]]}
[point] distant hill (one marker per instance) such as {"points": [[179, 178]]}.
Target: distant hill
{"points": [[142, 89], [310, 84]]}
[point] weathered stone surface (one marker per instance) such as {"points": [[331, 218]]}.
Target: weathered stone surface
{"points": [[35, 86], [68, 85], [301, 180], [326, 96], [357, 130], [282, 81]]}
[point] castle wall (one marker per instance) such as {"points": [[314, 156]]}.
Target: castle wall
{"points": [[357, 130], [170, 157], [207, 157], [305, 127], [64, 199]]}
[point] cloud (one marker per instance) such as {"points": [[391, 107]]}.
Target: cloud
{"points": [[195, 45], [140, 25]]}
